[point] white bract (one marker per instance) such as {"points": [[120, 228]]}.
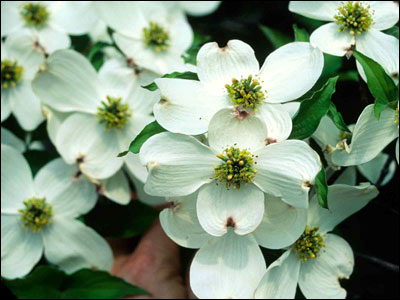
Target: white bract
{"points": [[232, 174], [39, 215], [331, 139], [107, 111], [355, 25], [318, 259], [20, 60], [231, 77], [194, 8], [148, 33], [48, 22], [369, 137]]}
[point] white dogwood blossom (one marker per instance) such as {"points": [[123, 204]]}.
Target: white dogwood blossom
{"points": [[194, 8], [153, 36], [231, 77], [232, 174], [39, 215], [107, 110], [231, 266], [369, 137], [318, 259], [21, 59], [355, 25], [48, 22]]}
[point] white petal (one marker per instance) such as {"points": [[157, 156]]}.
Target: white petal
{"points": [[329, 40], [52, 39], [10, 139], [280, 280], [282, 224], [343, 201], [327, 133], [348, 177], [370, 137], [226, 130], [75, 17], [381, 47], [319, 10], [142, 195], [218, 66], [25, 106], [86, 248], [229, 267], [290, 71], [69, 193], [199, 8], [319, 277], [21, 249], [135, 166], [219, 208], [277, 119], [5, 106], [181, 224], [69, 83], [397, 151], [373, 169], [11, 20], [178, 165], [116, 188], [186, 106], [22, 47], [292, 108], [181, 33], [146, 57], [386, 14], [54, 120], [286, 170], [16, 180], [82, 137]]}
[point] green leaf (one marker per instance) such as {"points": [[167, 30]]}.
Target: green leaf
{"points": [[379, 83], [47, 282], [147, 132], [276, 38], [321, 187], [394, 31], [350, 75], [337, 118], [185, 75], [191, 54], [311, 111], [96, 54], [300, 34], [124, 221]]}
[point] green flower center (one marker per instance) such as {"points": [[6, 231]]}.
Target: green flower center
{"points": [[236, 169], [156, 36], [309, 244], [354, 16], [11, 73], [246, 93], [36, 214], [35, 14], [113, 113]]}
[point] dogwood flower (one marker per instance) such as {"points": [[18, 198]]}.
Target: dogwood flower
{"points": [[231, 266], [39, 215], [318, 259], [355, 25], [10, 139], [231, 77], [151, 35], [370, 136], [232, 174], [20, 60], [107, 110], [330, 138]]}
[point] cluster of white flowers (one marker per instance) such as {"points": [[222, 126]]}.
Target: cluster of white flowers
{"points": [[225, 165]]}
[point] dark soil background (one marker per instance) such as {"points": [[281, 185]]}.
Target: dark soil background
{"points": [[373, 232]]}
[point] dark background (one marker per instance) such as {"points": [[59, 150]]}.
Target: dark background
{"points": [[373, 232]]}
